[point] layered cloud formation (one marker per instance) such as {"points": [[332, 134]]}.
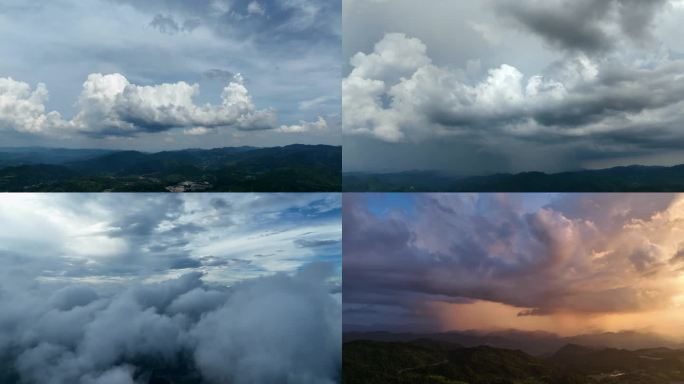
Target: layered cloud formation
{"points": [[585, 256], [605, 84], [111, 106]]}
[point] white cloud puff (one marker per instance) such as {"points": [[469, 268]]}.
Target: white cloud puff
{"points": [[23, 108]]}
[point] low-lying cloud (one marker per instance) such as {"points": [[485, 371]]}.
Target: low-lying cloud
{"points": [[281, 328]]}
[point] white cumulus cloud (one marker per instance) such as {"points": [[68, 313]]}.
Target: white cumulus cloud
{"points": [[23, 108]]}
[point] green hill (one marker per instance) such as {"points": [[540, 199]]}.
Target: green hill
{"points": [[439, 363]]}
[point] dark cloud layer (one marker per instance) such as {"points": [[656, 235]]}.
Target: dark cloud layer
{"points": [[585, 25]]}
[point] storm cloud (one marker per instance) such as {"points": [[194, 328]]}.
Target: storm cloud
{"points": [[586, 255]]}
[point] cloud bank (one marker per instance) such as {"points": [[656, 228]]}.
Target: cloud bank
{"points": [[111, 106]]}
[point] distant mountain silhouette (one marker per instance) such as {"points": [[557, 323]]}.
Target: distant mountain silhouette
{"points": [[293, 168], [50, 156], [634, 178], [534, 343]]}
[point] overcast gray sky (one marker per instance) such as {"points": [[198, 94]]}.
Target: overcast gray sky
{"points": [[505, 86], [169, 73]]}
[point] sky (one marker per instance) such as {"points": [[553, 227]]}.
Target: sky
{"points": [[93, 285], [569, 264], [483, 86], [169, 74]]}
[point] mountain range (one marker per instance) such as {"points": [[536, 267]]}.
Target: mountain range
{"points": [[634, 178], [293, 168]]}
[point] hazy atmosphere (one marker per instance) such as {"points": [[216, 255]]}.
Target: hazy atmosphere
{"points": [[478, 87], [157, 75], [204, 288], [568, 264]]}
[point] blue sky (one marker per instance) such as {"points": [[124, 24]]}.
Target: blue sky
{"points": [[382, 204], [286, 53]]}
